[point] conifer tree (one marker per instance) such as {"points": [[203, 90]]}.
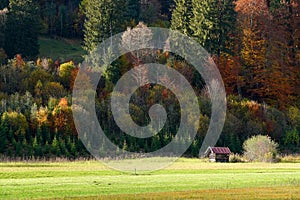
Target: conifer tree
{"points": [[3, 17], [133, 10], [103, 19], [212, 23], [3, 4], [3, 135], [22, 29], [181, 16]]}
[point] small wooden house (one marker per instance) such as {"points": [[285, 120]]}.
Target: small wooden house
{"points": [[218, 154]]}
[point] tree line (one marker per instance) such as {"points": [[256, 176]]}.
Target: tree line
{"points": [[36, 114], [255, 45]]}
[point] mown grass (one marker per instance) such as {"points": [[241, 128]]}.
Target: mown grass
{"points": [[240, 193], [62, 49], [185, 179]]}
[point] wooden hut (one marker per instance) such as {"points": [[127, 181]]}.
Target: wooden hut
{"points": [[218, 154]]}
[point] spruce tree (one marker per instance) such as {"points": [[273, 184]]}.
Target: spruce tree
{"points": [[103, 19], [3, 135], [3, 4], [166, 8], [181, 17], [133, 10], [3, 17], [22, 29], [213, 23]]}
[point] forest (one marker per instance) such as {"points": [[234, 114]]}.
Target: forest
{"points": [[254, 43]]}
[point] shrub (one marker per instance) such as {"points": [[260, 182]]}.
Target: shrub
{"points": [[295, 158], [260, 148], [235, 158]]}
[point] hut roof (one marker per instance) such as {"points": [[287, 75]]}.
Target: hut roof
{"points": [[218, 150]]}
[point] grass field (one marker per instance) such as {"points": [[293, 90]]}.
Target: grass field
{"points": [[63, 49], [185, 179]]}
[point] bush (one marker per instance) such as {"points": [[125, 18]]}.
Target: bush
{"points": [[295, 158], [235, 158], [260, 149]]}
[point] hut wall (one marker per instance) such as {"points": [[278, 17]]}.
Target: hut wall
{"points": [[222, 157]]}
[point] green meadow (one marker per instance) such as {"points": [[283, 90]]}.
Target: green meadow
{"points": [[61, 48], [184, 179]]}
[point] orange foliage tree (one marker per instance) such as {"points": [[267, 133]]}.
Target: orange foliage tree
{"points": [[230, 69], [63, 118], [262, 53]]}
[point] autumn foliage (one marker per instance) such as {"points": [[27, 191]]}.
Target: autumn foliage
{"points": [[254, 43]]}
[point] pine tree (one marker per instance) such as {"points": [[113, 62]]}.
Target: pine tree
{"points": [[22, 28], [3, 17], [133, 10], [55, 147], [181, 16], [3, 135], [150, 11], [213, 24], [103, 19], [37, 150], [166, 8], [3, 4]]}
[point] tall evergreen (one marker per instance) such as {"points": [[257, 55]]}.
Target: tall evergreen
{"points": [[133, 10], [3, 4], [3, 135], [3, 17], [181, 16], [22, 29], [103, 19], [166, 8], [213, 23]]}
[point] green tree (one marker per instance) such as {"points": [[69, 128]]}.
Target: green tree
{"points": [[3, 18], [53, 89], [3, 4], [3, 135], [55, 147], [133, 10], [17, 125], [294, 117], [62, 17], [65, 72], [212, 23], [22, 28], [292, 140], [150, 11], [167, 7], [50, 15], [181, 16], [37, 148], [38, 90], [34, 77], [103, 19], [11, 77]]}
